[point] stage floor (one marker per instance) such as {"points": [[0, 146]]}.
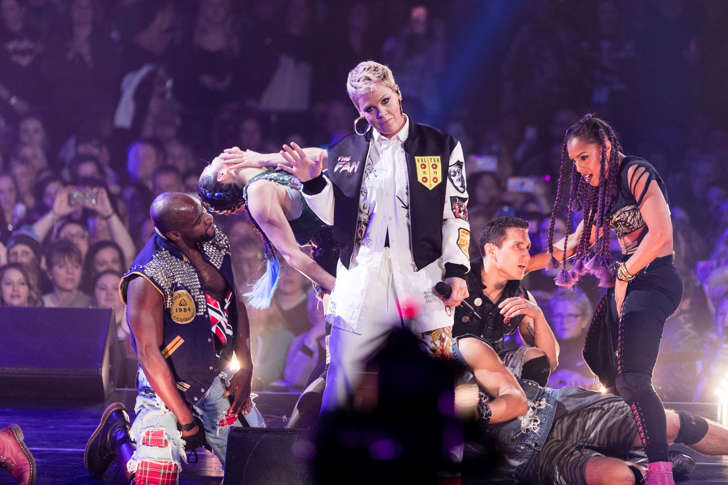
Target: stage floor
{"points": [[56, 433]]}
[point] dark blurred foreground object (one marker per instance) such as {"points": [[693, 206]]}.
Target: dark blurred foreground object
{"points": [[401, 427], [262, 456]]}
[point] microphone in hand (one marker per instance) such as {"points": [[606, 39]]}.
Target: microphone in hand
{"points": [[445, 290]]}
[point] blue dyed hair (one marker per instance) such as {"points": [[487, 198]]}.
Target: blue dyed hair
{"points": [[262, 292]]}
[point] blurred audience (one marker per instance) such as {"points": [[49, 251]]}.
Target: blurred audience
{"points": [[64, 262], [570, 315], [101, 257], [105, 294], [24, 249], [681, 353], [307, 353], [17, 288]]}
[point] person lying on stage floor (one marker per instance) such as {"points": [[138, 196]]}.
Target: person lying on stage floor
{"points": [[570, 436], [188, 322], [498, 304]]}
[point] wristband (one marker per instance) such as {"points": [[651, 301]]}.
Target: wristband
{"points": [[484, 409], [187, 427], [622, 273]]}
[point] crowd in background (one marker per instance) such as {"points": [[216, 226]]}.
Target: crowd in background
{"points": [[105, 104]]}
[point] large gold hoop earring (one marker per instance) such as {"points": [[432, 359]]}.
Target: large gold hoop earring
{"points": [[356, 125]]}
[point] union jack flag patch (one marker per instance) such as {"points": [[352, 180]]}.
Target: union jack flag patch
{"points": [[219, 323]]}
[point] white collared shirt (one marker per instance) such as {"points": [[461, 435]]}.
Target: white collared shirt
{"points": [[383, 210]]}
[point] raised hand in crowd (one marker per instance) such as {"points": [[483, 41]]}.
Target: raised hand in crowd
{"points": [[62, 207], [100, 204], [118, 232]]}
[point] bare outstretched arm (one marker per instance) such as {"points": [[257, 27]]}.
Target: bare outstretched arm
{"points": [[266, 207], [234, 159], [145, 315], [541, 260]]}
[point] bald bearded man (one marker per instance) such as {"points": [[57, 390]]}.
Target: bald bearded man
{"points": [[187, 320]]}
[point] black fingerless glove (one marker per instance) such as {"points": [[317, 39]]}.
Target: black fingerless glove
{"points": [[194, 441]]}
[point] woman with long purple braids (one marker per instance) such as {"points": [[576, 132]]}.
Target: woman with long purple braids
{"points": [[624, 194]]}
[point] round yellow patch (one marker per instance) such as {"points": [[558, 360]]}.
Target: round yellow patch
{"points": [[183, 307]]}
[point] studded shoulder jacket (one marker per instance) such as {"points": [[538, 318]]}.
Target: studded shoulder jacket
{"points": [[198, 330]]}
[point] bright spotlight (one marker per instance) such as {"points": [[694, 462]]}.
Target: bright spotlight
{"points": [[234, 364]]}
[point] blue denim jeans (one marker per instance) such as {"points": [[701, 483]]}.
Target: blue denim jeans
{"points": [[152, 416]]}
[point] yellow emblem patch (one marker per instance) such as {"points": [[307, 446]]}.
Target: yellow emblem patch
{"points": [[183, 307], [429, 171], [464, 240]]}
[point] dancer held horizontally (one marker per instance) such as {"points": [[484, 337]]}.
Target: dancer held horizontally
{"points": [[276, 206], [625, 194]]}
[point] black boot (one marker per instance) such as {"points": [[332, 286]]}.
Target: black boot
{"points": [[108, 438], [682, 464]]}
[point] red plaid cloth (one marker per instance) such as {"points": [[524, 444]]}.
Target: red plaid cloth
{"points": [[155, 437], [227, 420], [219, 323], [153, 472]]}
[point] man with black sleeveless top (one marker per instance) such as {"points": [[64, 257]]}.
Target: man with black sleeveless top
{"points": [[498, 304]]}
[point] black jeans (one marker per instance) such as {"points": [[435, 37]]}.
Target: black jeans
{"points": [[651, 297]]}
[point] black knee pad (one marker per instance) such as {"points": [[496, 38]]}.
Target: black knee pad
{"points": [[630, 384], [638, 478], [692, 428], [537, 370]]}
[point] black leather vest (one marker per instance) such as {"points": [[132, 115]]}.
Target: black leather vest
{"points": [[488, 325]]}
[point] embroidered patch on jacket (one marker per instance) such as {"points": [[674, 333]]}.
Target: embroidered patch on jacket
{"points": [[456, 174], [182, 308], [459, 206], [219, 313], [428, 171], [344, 164], [172, 346], [439, 341], [464, 240]]}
